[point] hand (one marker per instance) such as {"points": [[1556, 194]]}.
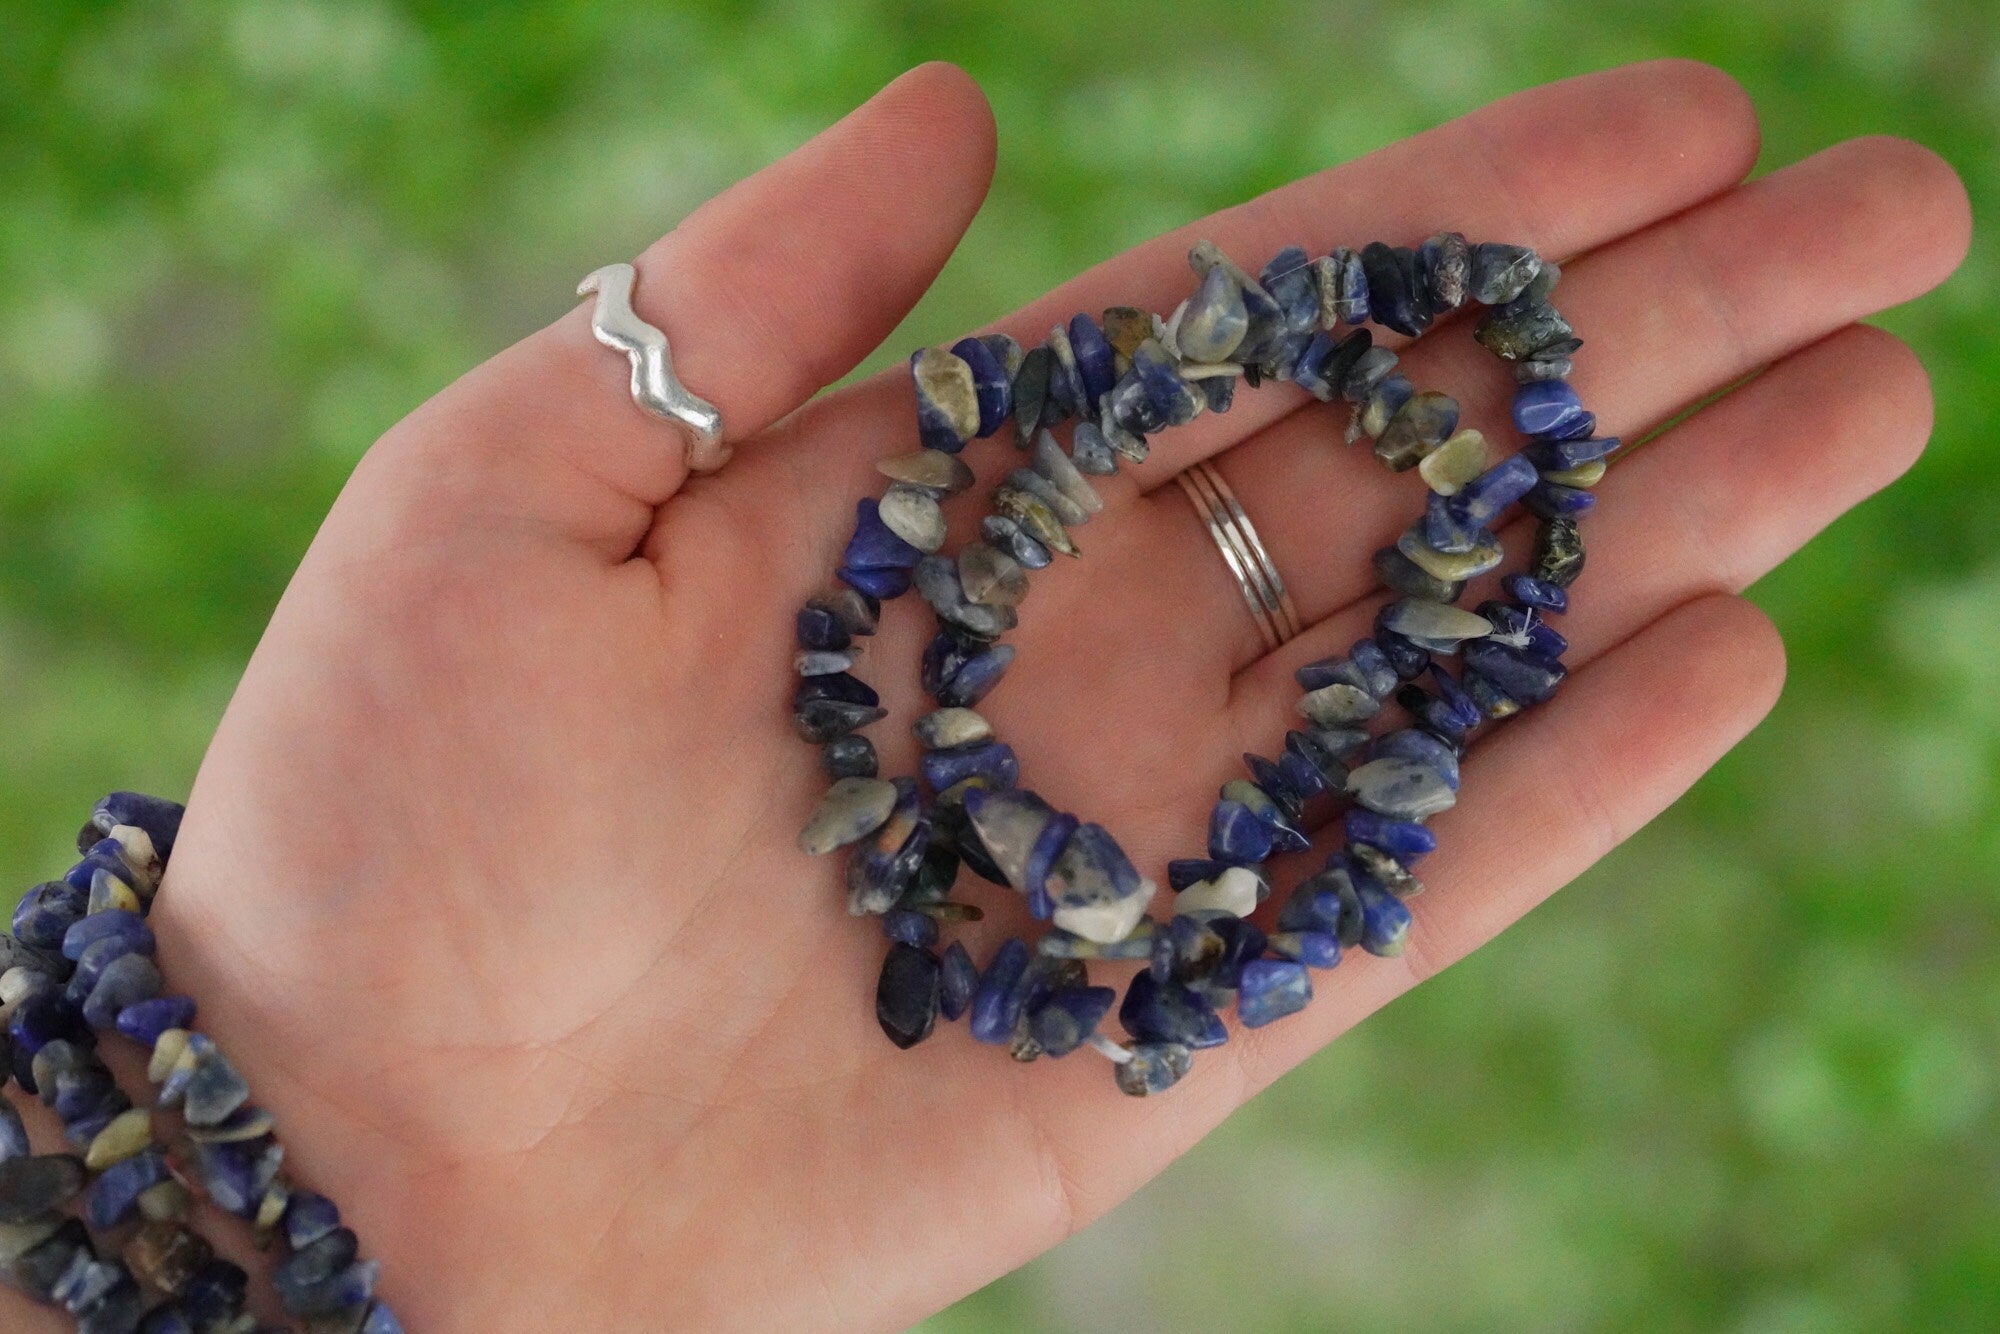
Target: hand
{"points": [[489, 883]]}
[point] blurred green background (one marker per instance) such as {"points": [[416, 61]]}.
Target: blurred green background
{"points": [[1741, 1077]]}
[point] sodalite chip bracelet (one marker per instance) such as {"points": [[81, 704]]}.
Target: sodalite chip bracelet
{"points": [[80, 966], [1122, 378]]}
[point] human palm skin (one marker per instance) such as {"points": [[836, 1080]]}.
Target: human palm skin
{"points": [[488, 881]]}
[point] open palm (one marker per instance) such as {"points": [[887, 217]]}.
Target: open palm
{"points": [[489, 881]]}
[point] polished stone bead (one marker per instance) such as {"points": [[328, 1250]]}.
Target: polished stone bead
{"points": [[1093, 871], [1126, 444], [850, 756], [821, 631], [1054, 466], [1218, 391], [1436, 626], [1447, 531], [1153, 1011], [123, 1136], [1301, 776], [1461, 713], [235, 1174], [1405, 840], [1007, 351], [1008, 823], [906, 997], [1385, 921], [1091, 452], [1547, 407], [1152, 395], [947, 399], [13, 1135], [125, 981], [1267, 321], [165, 1255], [1138, 944], [822, 662], [1154, 1068], [1214, 321], [308, 1217], [1583, 474], [160, 818], [967, 683], [1516, 333], [1395, 298], [1068, 1016], [1236, 890], [1314, 949], [856, 610], [1522, 674], [1322, 749], [1491, 699], [1371, 368], [1125, 327], [993, 760], [1446, 261], [1384, 870], [1338, 670], [1338, 704], [1380, 408], [214, 1294], [1535, 592], [991, 389], [881, 869], [1549, 501], [214, 1089], [1498, 272], [1558, 554], [875, 545], [39, 1267], [1286, 836], [1185, 871], [958, 979], [1343, 288], [1401, 789], [910, 927], [937, 583], [1571, 455], [42, 1018], [1236, 834], [912, 514], [943, 729], [1288, 277], [1483, 499], [1010, 540], [114, 1196], [47, 912], [1272, 989], [1311, 371], [1032, 515], [321, 1279], [1270, 776], [1032, 408], [1455, 462], [30, 1187], [996, 1007], [1450, 568], [1328, 901], [851, 809], [1424, 423], [1403, 575], [129, 928], [1094, 359], [1408, 660]]}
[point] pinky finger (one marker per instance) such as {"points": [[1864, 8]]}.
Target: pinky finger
{"points": [[1549, 794]]}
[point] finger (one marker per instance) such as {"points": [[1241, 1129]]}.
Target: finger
{"points": [[1552, 792], [1714, 504], [1668, 315], [1564, 167], [766, 292]]}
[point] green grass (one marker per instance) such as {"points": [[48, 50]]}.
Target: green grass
{"points": [[1738, 1077]]}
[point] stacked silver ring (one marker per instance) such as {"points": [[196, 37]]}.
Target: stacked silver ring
{"points": [[1243, 552]]}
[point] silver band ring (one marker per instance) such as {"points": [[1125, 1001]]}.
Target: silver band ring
{"points": [[654, 386], [1243, 551]]}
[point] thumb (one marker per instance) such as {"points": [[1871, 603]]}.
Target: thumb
{"points": [[767, 292]]}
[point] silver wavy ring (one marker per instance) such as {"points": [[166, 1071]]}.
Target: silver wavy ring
{"points": [[654, 386], [1243, 551]]}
